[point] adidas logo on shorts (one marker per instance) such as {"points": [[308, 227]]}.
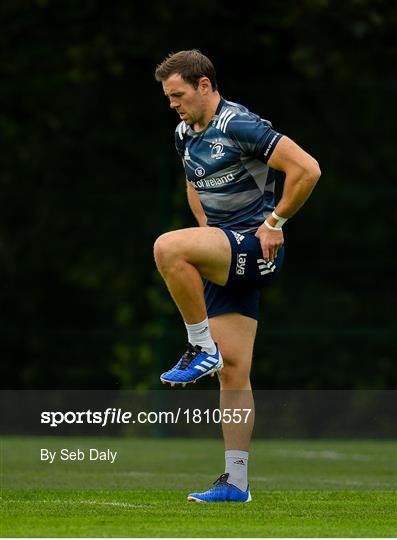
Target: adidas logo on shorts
{"points": [[265, 267], [239, 237]]}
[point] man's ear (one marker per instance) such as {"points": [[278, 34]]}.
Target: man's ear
{"points": [[205, 85]]}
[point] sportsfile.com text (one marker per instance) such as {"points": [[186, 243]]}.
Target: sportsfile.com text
{"points": [[118, 416]]}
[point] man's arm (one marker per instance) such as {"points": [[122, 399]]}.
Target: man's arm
{"points": [[301, 175], [195, 204]]}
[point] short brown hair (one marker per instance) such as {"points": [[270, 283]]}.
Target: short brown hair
{"points": [[191, 66]]}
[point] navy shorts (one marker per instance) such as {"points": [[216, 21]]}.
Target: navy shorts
{"points": [[248, 274]]}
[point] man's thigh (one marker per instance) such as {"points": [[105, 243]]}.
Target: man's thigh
{"points": [[235, 335], [206, 248]]}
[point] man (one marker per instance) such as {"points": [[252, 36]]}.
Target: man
{"points": [[230, 156]]}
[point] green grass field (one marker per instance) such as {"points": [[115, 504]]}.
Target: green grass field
{"points": [[299, 489]]}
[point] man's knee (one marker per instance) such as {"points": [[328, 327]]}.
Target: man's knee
{"points": [[168, 250], [163, 248], [234, 376]]}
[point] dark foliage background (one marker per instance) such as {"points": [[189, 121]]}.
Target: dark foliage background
{"points": [[89, 178]]}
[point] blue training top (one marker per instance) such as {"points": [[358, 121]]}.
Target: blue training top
{"points": [[226, 164]]}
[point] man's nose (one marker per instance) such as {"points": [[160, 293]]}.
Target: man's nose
{"points": [[174, 104]]}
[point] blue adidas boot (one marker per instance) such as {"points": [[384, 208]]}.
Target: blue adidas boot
{"points": [[222, 491], [194, 364]]}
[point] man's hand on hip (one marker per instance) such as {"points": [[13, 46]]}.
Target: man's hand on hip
{"points": [[271, 241]]}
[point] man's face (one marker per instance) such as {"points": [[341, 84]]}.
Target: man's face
{"points": [[188, 102]]}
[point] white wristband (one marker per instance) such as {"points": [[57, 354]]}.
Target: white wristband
{"points": [[280, 220], [271, 226]]}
